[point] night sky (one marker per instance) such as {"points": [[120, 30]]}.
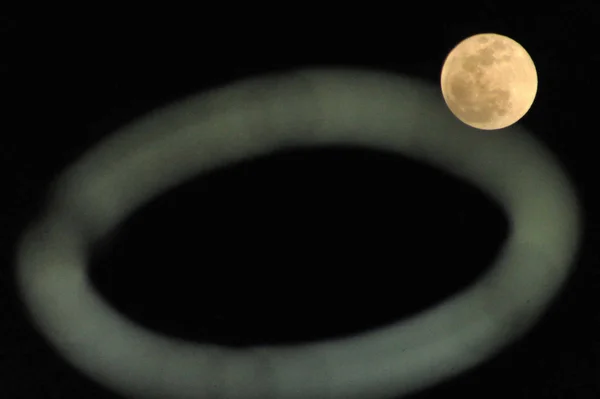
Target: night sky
{"points": [[370, 237]]}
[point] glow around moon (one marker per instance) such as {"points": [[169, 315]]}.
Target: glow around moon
{"points": [[489, 81]]}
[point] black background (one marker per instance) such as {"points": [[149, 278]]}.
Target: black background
{"points": [[299, 245]]}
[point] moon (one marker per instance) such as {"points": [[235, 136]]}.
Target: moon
{"points": [[489, 81]]}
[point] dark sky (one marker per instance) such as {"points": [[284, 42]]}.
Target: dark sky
{"points": [[76, 80]]}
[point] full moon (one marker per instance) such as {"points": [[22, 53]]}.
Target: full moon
{"points": [[489, 81]]}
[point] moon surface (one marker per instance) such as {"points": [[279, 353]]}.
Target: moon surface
{"points": [[489, 81]]}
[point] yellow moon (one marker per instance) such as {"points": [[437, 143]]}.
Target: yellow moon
{"points": [[489, 81]]}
